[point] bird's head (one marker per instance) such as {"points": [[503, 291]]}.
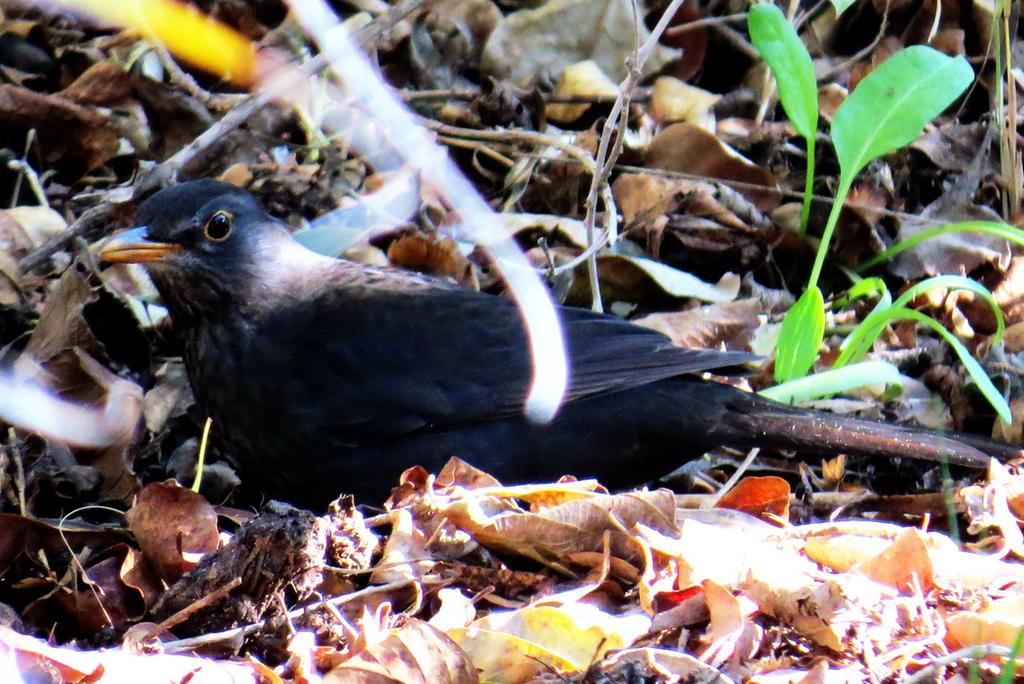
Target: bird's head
{"points": [[203, 242]]}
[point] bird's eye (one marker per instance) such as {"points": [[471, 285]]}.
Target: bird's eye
{"points": [[218, 228]]}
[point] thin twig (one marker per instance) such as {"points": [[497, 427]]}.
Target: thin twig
{"points": [[367, 36], [608, 153], [712, 501], [639, 95], [674, 31], [180, 616], [89, 222]]}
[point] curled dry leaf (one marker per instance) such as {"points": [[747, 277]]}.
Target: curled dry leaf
{"points": [[518, 645], [173, 526], [759, 495], [429, 254], [999, 623], [905, 565], [405, 554], [103, 84], [24, 228], [728, 324], [549, 534], [583, 79], [732, 636], [106, 600], [414, 653], [523, 227], [952, 146], [673, 101], [637, 279], [690, 149], [28, 537], [953, 252]]}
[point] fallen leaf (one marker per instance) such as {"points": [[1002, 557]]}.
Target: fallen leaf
{"points": [[414, 653], [583, 79], [673, 101], [759, 495], [691, 149], [550, 37], [728, 324], [173, 526]]}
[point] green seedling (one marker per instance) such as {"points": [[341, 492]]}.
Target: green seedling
{"points": [[859, 342], [887, 110], [834, 381], [781, 47]]}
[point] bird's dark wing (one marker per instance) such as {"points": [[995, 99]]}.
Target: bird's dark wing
{"points": [[390, 363]]}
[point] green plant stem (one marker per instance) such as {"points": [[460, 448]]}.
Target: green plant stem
{"points": [[830, 227], [805, 209]]}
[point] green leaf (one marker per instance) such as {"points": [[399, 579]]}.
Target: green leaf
{"points": [[868, 287], [834, 381], [953, 282], [800, 336], [1002, 230], [781, 47], [859, 342], [891, 106], [842, 5], [974, 369]]}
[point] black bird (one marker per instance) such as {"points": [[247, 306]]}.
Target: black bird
{"points": [[324, 376]]}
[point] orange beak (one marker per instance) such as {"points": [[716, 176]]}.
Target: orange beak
{"points": [[133, 247]]}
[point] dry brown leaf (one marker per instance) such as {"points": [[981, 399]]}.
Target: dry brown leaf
{"points": [[999, 623], [550, 534], [429, 254], [518, 645], [174, 526], [759, 495], [638, 279], [414, 653], [103, 84], [583, 79], [904, 565], [951, 146], [26, 227], [728, 324], [405, 554], [673, 101], [692, 150], [549, 37], [72, 132], [732, 637], [107, 600], [952, 253]]}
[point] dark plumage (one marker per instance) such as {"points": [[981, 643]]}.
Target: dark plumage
{"points": [[324, 376]]}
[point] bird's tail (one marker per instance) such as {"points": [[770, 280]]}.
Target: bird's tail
{"points": [[755, 421]]}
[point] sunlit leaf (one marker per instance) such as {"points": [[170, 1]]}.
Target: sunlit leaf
{"points": [[800, 338], [834, 381], [890, 107]]}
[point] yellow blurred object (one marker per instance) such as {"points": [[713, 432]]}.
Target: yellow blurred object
{"points": [[186, 32]]}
